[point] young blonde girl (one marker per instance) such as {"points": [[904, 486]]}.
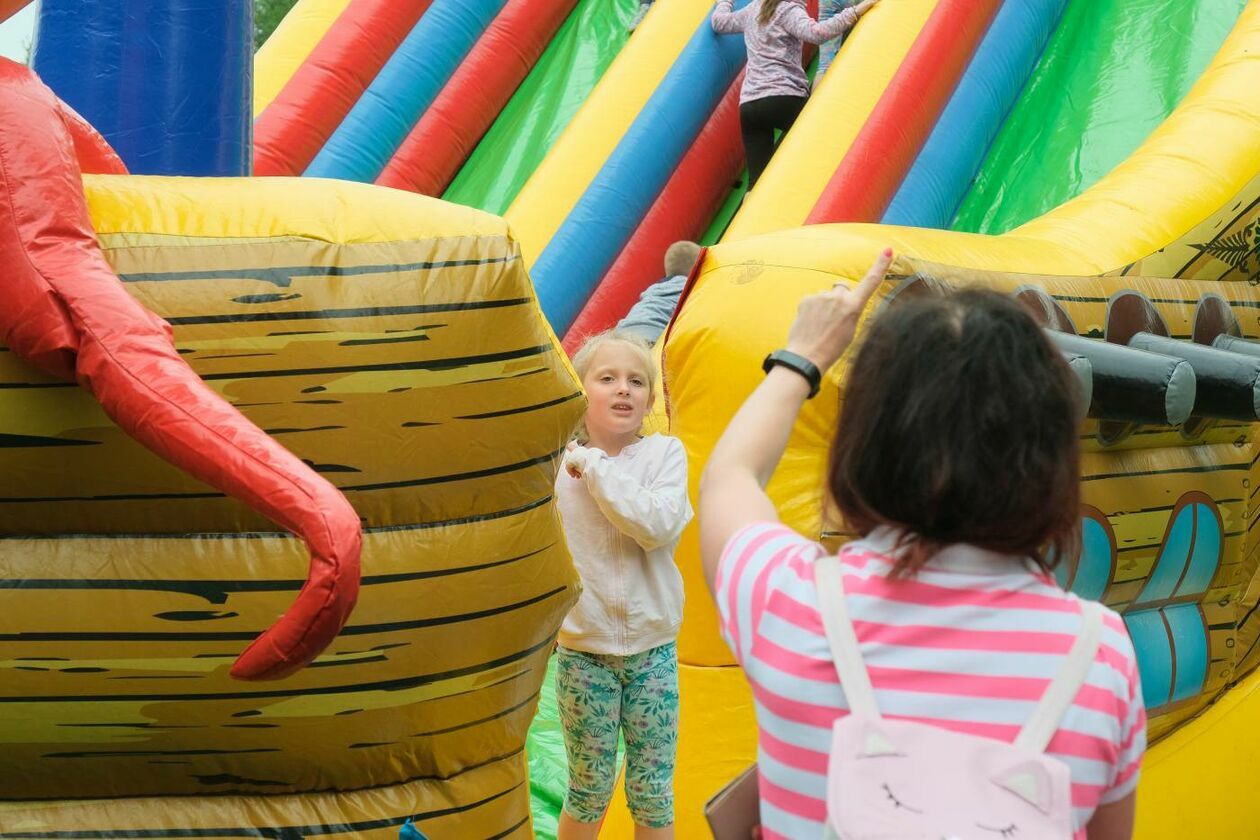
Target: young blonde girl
{"points": [[623, 499]]}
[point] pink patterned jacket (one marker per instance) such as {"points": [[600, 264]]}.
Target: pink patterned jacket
{"points": [[774, 50]]}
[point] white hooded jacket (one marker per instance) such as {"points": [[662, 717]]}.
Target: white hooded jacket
{"points": [[622, 520]]}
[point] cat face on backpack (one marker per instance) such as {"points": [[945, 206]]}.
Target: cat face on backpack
{"points": [[890, 779]]}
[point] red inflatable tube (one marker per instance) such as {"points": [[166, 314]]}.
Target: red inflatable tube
{"points": [[67, 313], [682, 211], [461, 114], [298, 122], [871, 171]]}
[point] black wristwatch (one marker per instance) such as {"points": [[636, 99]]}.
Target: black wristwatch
{"points": [[798, 363]]}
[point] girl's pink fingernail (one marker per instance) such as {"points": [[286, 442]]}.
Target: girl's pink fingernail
{"points": [[888, 252]]}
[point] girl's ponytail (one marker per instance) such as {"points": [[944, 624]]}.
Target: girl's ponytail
{"points": [[767, 11]]}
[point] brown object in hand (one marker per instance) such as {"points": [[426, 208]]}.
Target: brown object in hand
{"points": [[734, 812]]}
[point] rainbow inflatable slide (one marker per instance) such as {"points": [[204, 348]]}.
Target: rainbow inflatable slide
{"points": [[1099, 159]]}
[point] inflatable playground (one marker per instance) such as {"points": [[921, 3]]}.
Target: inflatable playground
{"points": [[284, 379]]}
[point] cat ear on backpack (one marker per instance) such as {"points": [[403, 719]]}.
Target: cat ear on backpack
{"points": [[875, 743], [1030, 782]]}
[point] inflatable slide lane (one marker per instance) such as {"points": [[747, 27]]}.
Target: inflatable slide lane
{"points": [[390, 91], [647, 160], [869, 116], [600, 151], [1153, 269], [982, 115], [1131, 62], [254, 354], [927, 98]]}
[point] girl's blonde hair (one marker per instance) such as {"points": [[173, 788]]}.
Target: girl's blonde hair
{"points": [[767, 11], [586, 354]]}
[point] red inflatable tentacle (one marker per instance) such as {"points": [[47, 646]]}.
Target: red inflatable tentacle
{"points": [[152, 394], [96, 156], [33, 321], [71, 316]]}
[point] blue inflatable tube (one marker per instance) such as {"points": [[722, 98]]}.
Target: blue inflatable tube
{"points": [[621, 193], [169, 85], [404, 89], [937, 183]]}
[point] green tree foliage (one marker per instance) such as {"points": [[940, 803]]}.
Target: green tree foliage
{"points": [[267, 16]]}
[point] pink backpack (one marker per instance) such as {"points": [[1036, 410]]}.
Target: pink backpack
{"points": [[891, 779]]}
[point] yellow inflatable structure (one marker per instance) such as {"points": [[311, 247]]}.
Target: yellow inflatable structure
{"points": [[1176, 223], [395, 344]]}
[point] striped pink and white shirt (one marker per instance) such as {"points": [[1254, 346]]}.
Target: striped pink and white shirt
{"points": [[970, 643]]}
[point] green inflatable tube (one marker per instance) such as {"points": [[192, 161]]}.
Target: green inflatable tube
{"points": [[542, 106]]}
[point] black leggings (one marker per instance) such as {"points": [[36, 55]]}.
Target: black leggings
{"points": [[758, 120]]}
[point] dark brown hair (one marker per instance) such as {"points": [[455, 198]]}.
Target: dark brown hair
{"points": [[767, 11], [959, 426]]}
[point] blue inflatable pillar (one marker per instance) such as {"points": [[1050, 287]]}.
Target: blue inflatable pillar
{"points": [[169, 83]]}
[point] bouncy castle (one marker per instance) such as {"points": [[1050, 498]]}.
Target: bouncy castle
{"points": [[284, 380]]}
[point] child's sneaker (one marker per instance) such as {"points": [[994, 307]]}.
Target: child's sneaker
{"points": [[644, 8]]}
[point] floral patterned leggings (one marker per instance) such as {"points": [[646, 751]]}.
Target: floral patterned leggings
{"points": [[599, 695]]}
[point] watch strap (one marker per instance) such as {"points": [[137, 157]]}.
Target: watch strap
{"points": [[798, 363]]}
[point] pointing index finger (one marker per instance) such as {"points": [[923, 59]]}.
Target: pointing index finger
{"points": [[874, 276]]}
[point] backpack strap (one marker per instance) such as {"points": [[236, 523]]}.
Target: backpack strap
{"points": [[1045, 720], [842, 639]]}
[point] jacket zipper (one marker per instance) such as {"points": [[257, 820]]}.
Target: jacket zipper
{"points": [[620, 629]]}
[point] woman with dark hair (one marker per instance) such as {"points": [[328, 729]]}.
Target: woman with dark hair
{"points": [[956, 461], [775, 85]]}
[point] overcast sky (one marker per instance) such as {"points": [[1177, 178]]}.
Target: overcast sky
{"points": [[15, 34]]}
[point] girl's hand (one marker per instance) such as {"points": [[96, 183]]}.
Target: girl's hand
{"points": [[570, 464], [825, 323]]}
